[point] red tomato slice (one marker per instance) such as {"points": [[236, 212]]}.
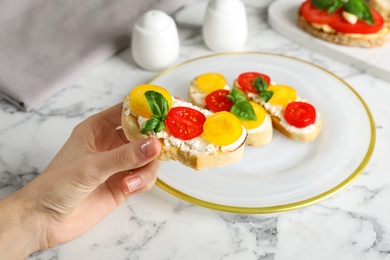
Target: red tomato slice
{"points": [[185, 123], [315, 15], [300, 114], [361, 27], [337, 22], [245, 80], [218, 101]]}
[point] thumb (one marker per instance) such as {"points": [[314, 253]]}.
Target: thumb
{"points": [[129, 156]]}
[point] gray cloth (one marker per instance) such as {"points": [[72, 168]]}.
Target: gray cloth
{"points": [[44, 44]]}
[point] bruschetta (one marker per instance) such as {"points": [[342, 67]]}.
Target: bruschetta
{"points": [[191, 135], [351, 22], [291, 114]]}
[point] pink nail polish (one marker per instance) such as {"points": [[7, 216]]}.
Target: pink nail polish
{"points": [[147, 148], [133, 183]]}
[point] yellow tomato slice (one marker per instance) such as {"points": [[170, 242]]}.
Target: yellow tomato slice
{"points": [[260, 116], [283, 95], [210, 82], [138, 102], [222, 128]]}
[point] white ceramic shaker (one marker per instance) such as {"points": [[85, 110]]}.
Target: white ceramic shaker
{"points": [[155, 41], [225, 25]]}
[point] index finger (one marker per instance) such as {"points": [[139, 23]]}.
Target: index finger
{"points": [[111, 115]]}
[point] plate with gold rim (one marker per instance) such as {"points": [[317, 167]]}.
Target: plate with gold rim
{"points": [[285, 174]]}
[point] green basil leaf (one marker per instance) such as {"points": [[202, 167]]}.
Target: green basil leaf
{"points": [[159, 107], [157, 103], [330, 5], [260, 84], [235, 95], [266, 95], [150, 125], [322, 4], [360, 9], [159, 127], [336, 5], [243, 110]]}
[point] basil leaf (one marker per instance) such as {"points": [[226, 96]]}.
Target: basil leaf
{"points": [[157, 103], [322, 4], [360, 9], [159, 107], [266, 95], [336, 5], [260, 84], [243, 110], [151, 125], [159, 127], [330, 5], [235, 95]]}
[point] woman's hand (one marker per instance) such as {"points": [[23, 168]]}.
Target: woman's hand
{"points": [[95, 171]]}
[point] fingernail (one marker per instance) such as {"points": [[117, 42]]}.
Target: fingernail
{"points": [[133, 183], [147, 148]]}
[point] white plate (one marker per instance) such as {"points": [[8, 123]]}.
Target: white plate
{"points": [[285, 174]]}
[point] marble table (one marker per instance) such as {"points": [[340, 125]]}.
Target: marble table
{"points": [[352, 224]]}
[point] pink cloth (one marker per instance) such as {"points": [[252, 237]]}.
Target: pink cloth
{"points": [[45, 44]]}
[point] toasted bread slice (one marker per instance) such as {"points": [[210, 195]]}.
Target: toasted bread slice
{"points": [[207, 156], [302, 136]]}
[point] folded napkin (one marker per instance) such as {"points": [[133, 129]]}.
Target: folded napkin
{"points": [[45, 44]]}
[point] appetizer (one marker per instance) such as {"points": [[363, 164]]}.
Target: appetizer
{"points": [[291, 114], [350, 22], [191, 135]]}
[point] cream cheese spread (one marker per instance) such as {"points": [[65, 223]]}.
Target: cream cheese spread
{"points": [[264, 126]]}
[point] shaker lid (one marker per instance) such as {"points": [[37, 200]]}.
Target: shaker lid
{"points": [[226, 6], [154, 21]]}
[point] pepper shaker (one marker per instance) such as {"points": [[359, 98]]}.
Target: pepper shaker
{"points": [[225, 26], [155, 41]]}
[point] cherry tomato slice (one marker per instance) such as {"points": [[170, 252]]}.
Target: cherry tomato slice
{"points": [[361, 27], [218, 101], [185, 123], [222, 128], [245, 80], [210, 82], [315, 15], [300, 114], [139, 103]]}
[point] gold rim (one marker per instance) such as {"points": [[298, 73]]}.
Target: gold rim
{"points": [[283, 207]]}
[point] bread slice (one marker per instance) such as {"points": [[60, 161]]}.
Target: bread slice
{"points": [[263, 137], [357, 40], [306, 134], [195, 160], [297, 136], [259, 136]]}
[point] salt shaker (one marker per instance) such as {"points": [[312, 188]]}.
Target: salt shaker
{"points": [[155, 41], [225, 26]]}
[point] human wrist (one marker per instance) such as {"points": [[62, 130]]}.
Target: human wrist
{"points": [[21, 229]]}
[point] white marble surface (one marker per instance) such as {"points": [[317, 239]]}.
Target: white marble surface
{"points": [[354, 224]]}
